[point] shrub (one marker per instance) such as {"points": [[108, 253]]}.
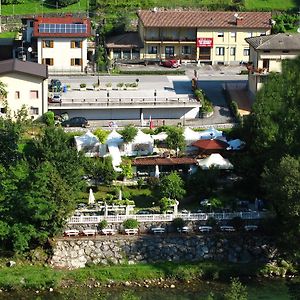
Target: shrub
{"points": [[103, 224], [109, 84], [153, 182], [101, 134], [48, 118], [178, 222], [62, 3], [128, 133], [82, 85], [130, 224], [121, 84], [237, 291]]}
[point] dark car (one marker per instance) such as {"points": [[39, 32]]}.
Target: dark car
{"points": [[171, 63], [76, 122]]}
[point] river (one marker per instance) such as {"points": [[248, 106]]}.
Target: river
{"points": [[277, 289]]}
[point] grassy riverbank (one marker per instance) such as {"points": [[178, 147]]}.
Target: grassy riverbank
{"points": [[25, 276]]}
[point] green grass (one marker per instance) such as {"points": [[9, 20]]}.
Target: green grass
{"points": [[270, 4], [36, 7], [8, 35]]}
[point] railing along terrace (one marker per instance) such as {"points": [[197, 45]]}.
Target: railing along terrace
{"points": [[166, 217]]}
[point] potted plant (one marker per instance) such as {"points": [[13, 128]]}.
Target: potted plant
{"points": [[120, 86], [130, 224], [108, 86], [102, 225], [68, 87], [82, 86]]}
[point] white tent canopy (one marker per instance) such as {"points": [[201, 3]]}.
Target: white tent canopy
{"points": [[114, 137], [142, 138], [160, 136], [236, 144], [87, 143], [210, 133], [190, 135], [215, 160]]}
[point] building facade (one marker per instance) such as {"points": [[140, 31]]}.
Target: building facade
{"points": [[266, 55], [27, 87], [60, 43], [204, 36]]}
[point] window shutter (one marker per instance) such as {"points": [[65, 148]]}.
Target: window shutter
{"points": [[51, 61], [81, 44], [80, 61], [44, 44], [51, 44], [43, 61], [72, 44], [72, 61]]}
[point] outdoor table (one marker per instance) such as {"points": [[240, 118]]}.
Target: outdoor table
{"points": [[184, 229], [205, 228], [227, 228], [250, 227], [71, 232], [88, 232], [131, 231], [158, 230], [108, 231]]}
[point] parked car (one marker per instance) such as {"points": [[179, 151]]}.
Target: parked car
{"points": [[171, 63], [76, 122], [56, 98]]}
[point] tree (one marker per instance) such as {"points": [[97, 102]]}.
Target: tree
{"points": [[172, 187], [175, 138], [3, 91], [165, 203], [126, 169], [128, 133], [237, 291], [48, 118], [61, 3]]}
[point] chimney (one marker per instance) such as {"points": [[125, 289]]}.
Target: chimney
{"points": [[239, 21]]}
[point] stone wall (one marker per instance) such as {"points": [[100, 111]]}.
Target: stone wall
{"points": [[77, 252]]}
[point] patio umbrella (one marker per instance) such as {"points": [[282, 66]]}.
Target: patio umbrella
{"points": [[156, 174], [142, 119], [91, 197]]}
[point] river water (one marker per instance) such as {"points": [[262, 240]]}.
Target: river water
{"points": [[257, 290]]}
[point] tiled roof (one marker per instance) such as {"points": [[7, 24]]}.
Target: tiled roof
{"points": [[280, 41], [25, 67], [204, 19], [210, 144], [68, 19], [164, 161], [126, 40]]}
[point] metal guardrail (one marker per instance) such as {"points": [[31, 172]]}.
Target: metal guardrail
{"points": [[166, 218]]}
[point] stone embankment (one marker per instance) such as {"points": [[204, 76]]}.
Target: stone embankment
{"points": [[77, 252]]}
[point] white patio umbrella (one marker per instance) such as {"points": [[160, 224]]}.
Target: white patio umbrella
{"points": [[120, 194], [156, 174], [91, 197], [142, 119]]}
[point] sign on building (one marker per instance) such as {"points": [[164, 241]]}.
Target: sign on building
{"points": [[205, 42]]}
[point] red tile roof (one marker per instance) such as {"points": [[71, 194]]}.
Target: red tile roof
{"points": [[164, 161], [204, 19], [210, 144], [68, 19]]}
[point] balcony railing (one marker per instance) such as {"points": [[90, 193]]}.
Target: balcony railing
{"points": [[254, 215]]}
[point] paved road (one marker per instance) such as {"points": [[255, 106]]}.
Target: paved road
{"points": [[210, 78]]}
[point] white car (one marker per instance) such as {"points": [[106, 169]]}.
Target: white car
{"points": [[55, 98]]}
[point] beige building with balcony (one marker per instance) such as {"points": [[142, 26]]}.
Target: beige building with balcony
{"points": [[266, 55], [26, 86], [205, 36]]}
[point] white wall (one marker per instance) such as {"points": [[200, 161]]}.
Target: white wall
{"points": [[23, 84], [62, 53]]}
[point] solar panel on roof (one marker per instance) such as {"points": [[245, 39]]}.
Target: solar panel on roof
{"points": [[62, 28]]}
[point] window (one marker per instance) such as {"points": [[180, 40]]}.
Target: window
{"points": [[76, 44], [221, 34], [17, 95], [76, 61], [30, 23], [48, 61], [220, 50], [34, 94], [233, 35], [246, 52], [48, 44], [249, 34], [285, 51], [186, 49], [169, 51], [232, 51], [267, 51], [152, 49], [34, 110]]}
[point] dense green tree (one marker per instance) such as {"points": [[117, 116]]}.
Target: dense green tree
{"points": [[128, 133], [101, 134], [175, 138], [237, 291], [9, 139], [172, 187]]}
